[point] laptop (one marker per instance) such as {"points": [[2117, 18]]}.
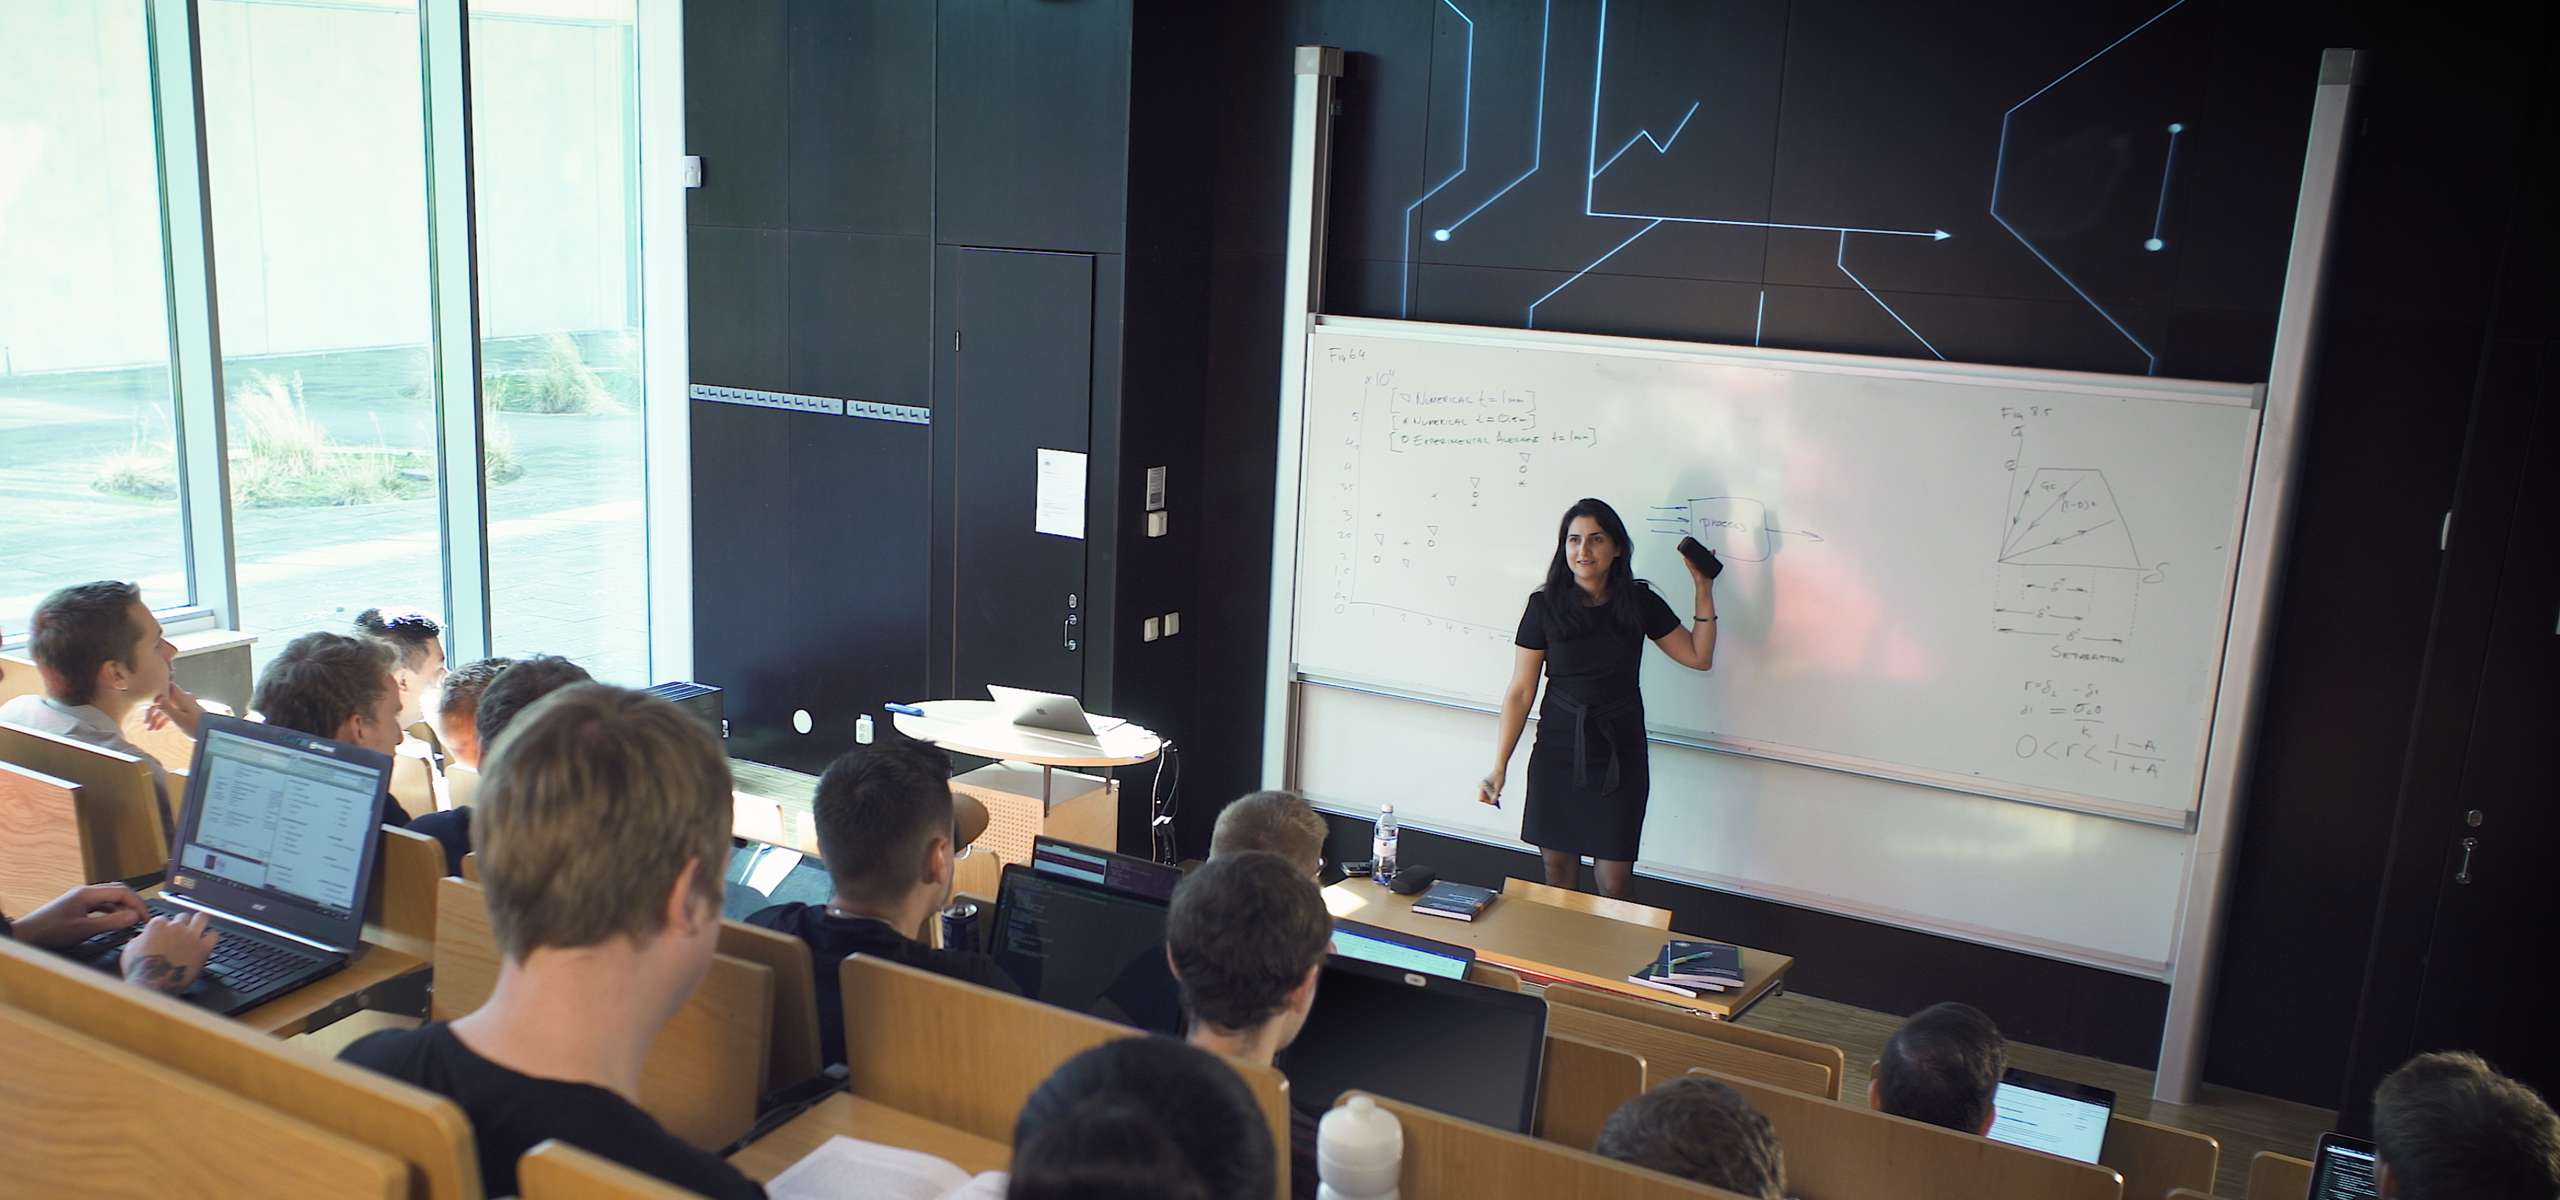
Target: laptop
{"points": [[1087, 947], [277, 843], [1388, 948], [2056, 1116], [1464, 1049], [1050, 713], [2344, 1169], [1154, 880]]}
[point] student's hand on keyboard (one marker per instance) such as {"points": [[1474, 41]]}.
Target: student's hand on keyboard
{"points": [[80, 914], [170, 952]]}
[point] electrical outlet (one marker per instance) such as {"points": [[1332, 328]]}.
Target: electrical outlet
{"points": [[1154, 629], [1172, 624]]}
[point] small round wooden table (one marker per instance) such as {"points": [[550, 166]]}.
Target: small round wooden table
{"points": [[973, 727]]}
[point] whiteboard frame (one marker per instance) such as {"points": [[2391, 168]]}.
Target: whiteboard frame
{"points": [[2085, 383]]}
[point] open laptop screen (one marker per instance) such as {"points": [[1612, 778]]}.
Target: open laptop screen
{"points": [[1086, 947], [1050, 856], [1386, 947], [1459, 1048], [2056, 1116], [2344, 1170], [280, 827]]}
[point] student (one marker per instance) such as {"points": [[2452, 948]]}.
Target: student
{"points": [[1143, 1118], [166, 956], [1702, 1131], [889, 830], [1282, 823], [1943, 1068], [603, 824], [101, 654], [1247, 936], [457, 703], [419, 641], [2446, 1125], [338, 687], [515, 689]]}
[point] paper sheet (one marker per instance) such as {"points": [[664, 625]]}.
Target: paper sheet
{"points": [[845, 1166], [1059, 509]]}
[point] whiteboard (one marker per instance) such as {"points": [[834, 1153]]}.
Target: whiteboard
{"points": [[2009, 583]]}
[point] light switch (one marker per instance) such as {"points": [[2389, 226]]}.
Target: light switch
{"points": [[1155, 524], [1172, 624], [1154, 629]]}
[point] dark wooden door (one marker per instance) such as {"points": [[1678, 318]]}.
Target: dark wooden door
{"points": [[2487, 980], [1021, 346]]}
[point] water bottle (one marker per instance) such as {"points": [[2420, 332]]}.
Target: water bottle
{"points": [[1359, 1152], [1383, 849]]}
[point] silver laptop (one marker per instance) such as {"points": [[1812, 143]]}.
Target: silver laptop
{"points": [[1049, 713]]}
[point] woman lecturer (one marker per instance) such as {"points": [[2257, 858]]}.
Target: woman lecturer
{"points": [[1588, 772]]}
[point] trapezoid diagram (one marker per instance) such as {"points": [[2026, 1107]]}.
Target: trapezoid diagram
{"points": [[2067, 517]]}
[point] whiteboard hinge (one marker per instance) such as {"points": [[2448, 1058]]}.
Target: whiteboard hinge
{"points": [[2444, 533]]}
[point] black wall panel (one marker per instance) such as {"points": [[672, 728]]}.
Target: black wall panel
{"points": [[1031, 128], [861, 116], [737, 67], [858, 323]]}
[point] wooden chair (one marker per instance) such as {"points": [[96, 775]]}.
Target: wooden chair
{"points": [[124, 829], [1841, 1151], [471, 865], [795, 1055], [705, 1071], [1493, 977], [1675, 1041], [81, 1113], [556, 1170], [1583, 1084], [18, 677], [413, 785], [2188, 1194], [461, 784], [2156, 1158], [1445, 1156], [40, 824], [424, 1132], [400, 911], [966, 1057], [1584, 902], [2274, 1176]]}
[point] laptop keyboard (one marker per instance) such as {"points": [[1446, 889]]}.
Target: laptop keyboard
{"points": [[241, 963]]}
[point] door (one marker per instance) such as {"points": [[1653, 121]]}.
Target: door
{"points": [[2486, 981], [1021, 392]]}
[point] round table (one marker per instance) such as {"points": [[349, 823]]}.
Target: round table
{"points": [[974, 727]]}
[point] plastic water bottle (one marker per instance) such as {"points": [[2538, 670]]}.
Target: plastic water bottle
{"points": [[862, 729], [1359, 1152], [1383, 849]]}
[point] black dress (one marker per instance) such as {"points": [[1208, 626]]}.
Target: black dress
{"points": [[1588, 771]]}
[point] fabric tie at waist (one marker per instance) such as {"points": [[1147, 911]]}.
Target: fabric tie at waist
{"points": [[1584, 715]]}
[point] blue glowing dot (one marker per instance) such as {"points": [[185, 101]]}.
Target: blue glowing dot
{"points": [[2178, 127], [2154, 244], [1439, 235]]}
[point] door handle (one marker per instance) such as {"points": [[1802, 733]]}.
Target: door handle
{"points": [[2463, 873]]}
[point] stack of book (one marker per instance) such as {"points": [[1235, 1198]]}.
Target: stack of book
{"points": [[1456, 901], [1688, 968]]}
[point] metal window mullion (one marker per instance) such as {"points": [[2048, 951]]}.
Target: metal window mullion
{"points": [[454, 300], [195, 334]]}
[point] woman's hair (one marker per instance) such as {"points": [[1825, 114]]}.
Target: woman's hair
{"points": [[1564, 597], [1146, 1118]]}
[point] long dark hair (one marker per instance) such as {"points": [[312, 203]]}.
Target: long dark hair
{"points": [[1564, 595]]}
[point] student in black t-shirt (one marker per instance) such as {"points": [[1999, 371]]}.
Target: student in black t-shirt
{"points": [[603, 825], [890, 830], [1247, 937]]}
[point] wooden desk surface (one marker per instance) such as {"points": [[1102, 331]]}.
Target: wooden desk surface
{"points": [[773, 1153], [1543, 940]]}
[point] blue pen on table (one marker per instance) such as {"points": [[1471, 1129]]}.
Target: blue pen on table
{"points": [[904, 710]]}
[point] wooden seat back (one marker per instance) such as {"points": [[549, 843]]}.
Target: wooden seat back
{"points": [[1582, 1084], [964, 1056], [1675, 1041], [795, 1055], [556, 1170], [123, 823], [1446, 1156], [400, 910], [702, 1077], [2155, 1158], [1492, 976], [426, 1133], [1841, 1151], [81, 1114], [2274, 1176], [18, 677], [1584, 902], [40, 824]]}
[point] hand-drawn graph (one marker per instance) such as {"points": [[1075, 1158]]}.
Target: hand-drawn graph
{"points": [[2069, 567], [2067, 517]]}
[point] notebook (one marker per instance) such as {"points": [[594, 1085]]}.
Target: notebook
{"points": [[1714, 965], [1456, 901], [844, 1166]]}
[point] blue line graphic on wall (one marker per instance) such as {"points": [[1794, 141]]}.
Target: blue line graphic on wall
{"points": [[1537, 135], [2001, 162], [2161, 214], [1466, 133], [1841, 260], [1593, 168]]}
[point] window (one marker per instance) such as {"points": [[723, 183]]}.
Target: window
{"points": [[555, 146], [88, 458]]}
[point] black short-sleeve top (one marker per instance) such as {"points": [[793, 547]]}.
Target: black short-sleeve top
{"points": [[1595, 659]]}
